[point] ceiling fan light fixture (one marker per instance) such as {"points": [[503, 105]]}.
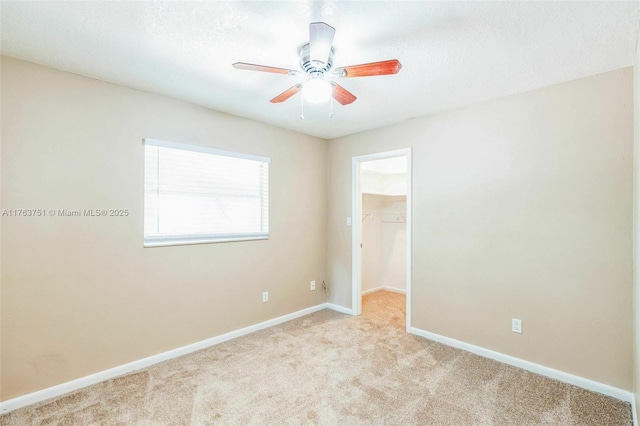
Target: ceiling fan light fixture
{"points": [[317, 90], [316, 60]]}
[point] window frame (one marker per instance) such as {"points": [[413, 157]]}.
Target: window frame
{"points": [[190, 239]]}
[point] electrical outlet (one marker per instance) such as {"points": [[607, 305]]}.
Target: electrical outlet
{"points": [[265, 297], [516, 325], [313, 285]]}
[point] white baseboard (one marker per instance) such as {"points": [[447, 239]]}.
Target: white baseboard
{"points": [[73, 385], [588, 384], [339, 308], [384, 288], [394, 289]]}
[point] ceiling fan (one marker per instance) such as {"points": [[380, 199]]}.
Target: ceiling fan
{"points": [[316, 60]]}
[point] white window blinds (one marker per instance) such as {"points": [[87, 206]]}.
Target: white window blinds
{"points": [[195, 195]]}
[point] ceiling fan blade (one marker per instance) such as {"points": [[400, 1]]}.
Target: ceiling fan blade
{"points": [[286, 94], [263, 68], [392, 66], [320, 41], [342, 95]]}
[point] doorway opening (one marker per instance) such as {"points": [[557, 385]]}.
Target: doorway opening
{"points": [[381, 226]]}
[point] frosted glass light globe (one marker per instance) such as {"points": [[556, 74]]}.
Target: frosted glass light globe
{"points": [[317, 90]]}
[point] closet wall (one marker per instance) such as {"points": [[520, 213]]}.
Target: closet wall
{"points": [[384, 208], [383, 242]]}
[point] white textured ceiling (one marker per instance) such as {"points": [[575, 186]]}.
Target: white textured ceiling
{"points": [[453, 53]]}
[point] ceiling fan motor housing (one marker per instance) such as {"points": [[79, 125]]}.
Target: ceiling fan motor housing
{"points": [[314, 68]]}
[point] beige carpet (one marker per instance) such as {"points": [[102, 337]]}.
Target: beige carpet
{"points": [[331, 369]]}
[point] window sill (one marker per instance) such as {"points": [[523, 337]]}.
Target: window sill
{"points": [[186, 242]]}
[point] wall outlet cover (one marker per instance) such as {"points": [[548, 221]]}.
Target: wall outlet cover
{"points": [[516, 325]]}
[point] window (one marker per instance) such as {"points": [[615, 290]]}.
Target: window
{"points": [[199, 195]]}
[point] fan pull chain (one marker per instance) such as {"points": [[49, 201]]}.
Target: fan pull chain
{"points": [[301, 107]]}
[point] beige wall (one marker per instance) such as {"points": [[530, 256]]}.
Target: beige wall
{"points": [[522, 209], [81, 294]]}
